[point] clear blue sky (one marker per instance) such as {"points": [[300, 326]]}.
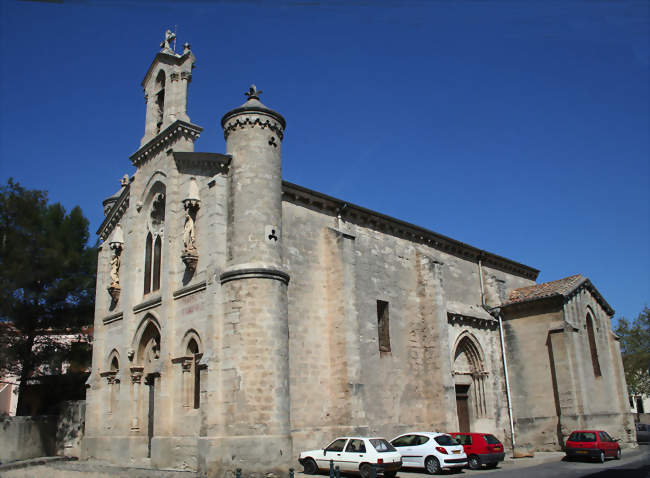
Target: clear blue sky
{"points": [[520, 127]]}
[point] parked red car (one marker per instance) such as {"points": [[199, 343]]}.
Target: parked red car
{"points": [[592, 444], [481, 449]]}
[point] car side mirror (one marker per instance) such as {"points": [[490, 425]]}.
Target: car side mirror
{"points": [[324, 452]]}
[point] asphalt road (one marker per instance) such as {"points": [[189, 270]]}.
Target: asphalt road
{"points": [[633, 464]]}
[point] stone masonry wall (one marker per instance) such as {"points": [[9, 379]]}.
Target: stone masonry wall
{"points": [[339, 270]]}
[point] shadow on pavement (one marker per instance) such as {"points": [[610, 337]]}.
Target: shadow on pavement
{"points": [[642, 472]]}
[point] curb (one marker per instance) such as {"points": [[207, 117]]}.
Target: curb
{"points": [[35, 462]]}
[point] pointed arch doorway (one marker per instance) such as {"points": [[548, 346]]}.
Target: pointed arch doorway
{"points": [[469, 381], [148, 363]]}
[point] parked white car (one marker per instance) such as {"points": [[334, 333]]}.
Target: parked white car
{"points": [[354, 454], [431, 451]]}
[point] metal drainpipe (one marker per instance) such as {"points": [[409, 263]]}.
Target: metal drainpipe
{"points": [[503, 353], [505, 369]]}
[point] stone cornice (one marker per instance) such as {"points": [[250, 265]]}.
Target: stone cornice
{"points": [[389, 225], [113, 318], [254, 273], [190, 289], [115, 214], [231, 123], [477, 322], [148, 304], [164, 140], [213, 163]]}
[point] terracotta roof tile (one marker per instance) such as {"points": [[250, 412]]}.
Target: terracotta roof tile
{"points": [[546, 289]]}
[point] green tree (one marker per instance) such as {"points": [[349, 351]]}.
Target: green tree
{"points": [[47, 280], [635, 348]]}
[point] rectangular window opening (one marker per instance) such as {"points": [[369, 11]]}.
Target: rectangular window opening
{"points": [[383, 326]]}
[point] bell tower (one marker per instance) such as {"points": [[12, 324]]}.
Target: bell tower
{"points": [[165, 87]]}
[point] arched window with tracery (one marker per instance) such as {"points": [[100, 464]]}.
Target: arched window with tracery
{"points": [[154, 239], [591, 336]]}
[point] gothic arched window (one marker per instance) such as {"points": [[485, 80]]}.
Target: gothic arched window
{"points": [[156, 264], [147, 264], [592, 345], [160, 100], [153, 245], [195, 385]]}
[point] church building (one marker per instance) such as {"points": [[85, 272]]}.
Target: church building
{"points": [[241, 318]]}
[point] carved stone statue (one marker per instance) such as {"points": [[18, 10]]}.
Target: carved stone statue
{"points": [[166, 44], [190, 255], [189, 239], [115, 269]]}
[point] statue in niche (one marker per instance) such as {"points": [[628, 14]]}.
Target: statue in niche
{"points": [[190, 255], [116, 261], [115, 269], [189, 238]]}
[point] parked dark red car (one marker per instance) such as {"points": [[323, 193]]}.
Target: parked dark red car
{"points": [[595, 444], [481, 449]]}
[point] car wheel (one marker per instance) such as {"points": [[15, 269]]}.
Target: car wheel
{"points": [[390, 474], [310, 467], [601, 457], [473, 462], [365, 470], [618, 454], [432, 465]]}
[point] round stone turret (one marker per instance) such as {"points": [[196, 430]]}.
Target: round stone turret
{"points": [[254, 134], [254, 288]]}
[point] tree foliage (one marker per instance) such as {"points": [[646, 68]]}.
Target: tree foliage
{"points": [[635, 348], [47, 280]]}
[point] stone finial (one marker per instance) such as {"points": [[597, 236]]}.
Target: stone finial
{"points": [[125, 180], [253, 93], [166, 44], [186, 47]]}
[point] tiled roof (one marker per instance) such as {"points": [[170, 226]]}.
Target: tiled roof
{"points": [[557, 288], [547, 289]]}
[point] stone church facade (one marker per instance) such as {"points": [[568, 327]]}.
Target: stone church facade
{"points": [[241, 318]]}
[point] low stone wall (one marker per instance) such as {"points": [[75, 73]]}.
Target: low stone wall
{"points": [[49, 435], [70, 428], [27, 437]]}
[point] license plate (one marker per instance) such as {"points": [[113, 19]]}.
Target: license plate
{"points": [[581, 451], [456, 452]]}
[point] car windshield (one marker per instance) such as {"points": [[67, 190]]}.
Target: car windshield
{"points": [[445, 440], [381, 445], [582, 436], [491, 440]]}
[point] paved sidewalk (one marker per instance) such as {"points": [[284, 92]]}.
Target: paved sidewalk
{"points": [[61, 467]]}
